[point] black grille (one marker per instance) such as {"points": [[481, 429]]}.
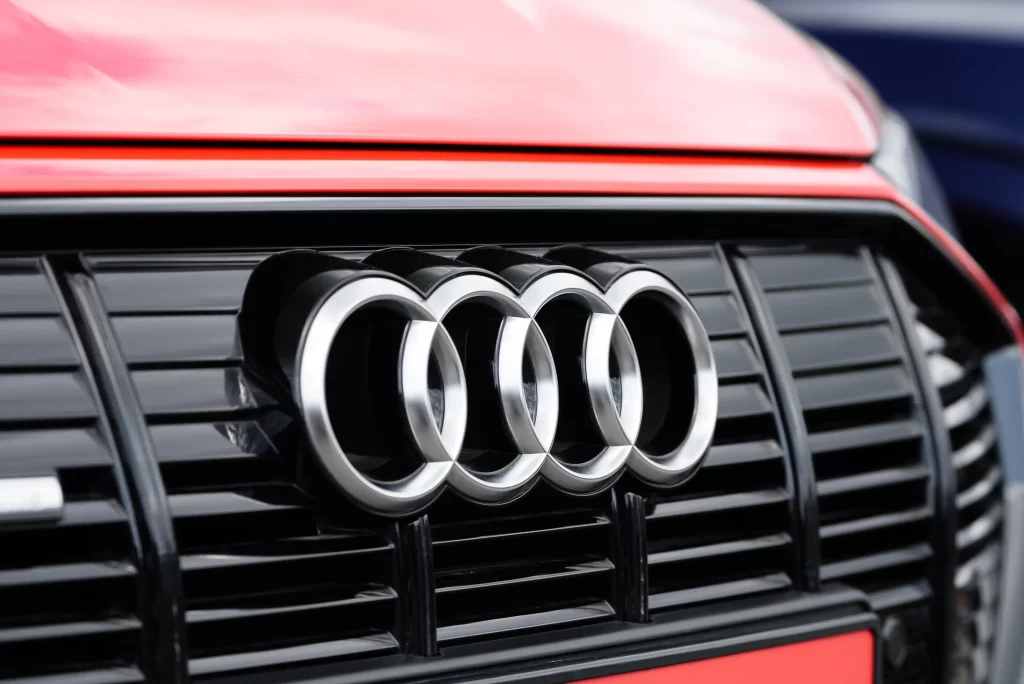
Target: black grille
{"points": [[259, 546], [67, 587], [866, 432], [726, 533], [266, 571], [281, 571], [956, 367], [861, 410], [536, 564]]}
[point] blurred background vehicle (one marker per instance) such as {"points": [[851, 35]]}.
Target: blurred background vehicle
{"points": [[955, 71]]}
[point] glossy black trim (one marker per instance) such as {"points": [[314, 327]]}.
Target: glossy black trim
{"points": [[148, 652], [780, 426], [629, 514], [807, 543], [768, 220], [163, 601], [418, 605], [944, 489]]}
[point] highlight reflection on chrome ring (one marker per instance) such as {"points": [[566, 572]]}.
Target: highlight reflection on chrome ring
{"points": [[615, 397]]}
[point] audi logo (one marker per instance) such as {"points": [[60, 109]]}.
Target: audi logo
{"points": [[488, 388]]}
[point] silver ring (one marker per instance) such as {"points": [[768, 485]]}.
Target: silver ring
{"points": [[516, 338], [616, 412], [682, 461], [310, 388]]}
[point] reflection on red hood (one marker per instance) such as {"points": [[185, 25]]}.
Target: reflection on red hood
{"points": [[30, 49], [645, 74]]}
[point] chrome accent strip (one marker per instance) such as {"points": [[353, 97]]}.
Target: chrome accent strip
{"points": [[967, 407], [980, 489], [980, 528], [31, 499], [931, 341], [976, 448], [981, 564], [944, 370]]}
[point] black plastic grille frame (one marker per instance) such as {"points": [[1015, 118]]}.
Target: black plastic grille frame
{"points": [[68, 588], [283, 577]]}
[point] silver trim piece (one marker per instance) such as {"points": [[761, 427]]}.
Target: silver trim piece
{"points": [[31, 499], [980, 489], [975, 449], [980, 528], [69, 206], [531, 428], [983, 563], [944, 370], [966, 408]]}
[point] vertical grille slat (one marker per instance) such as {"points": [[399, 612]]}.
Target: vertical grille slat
{"points": [[68, 586], [726, 533]]}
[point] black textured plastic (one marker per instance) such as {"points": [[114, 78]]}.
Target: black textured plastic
{"points": [[70, 588], [284, 579], [260, 566], [251, 510], [868, 432]]}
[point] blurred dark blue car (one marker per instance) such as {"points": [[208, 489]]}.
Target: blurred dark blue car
{"points": [[955, 70]]}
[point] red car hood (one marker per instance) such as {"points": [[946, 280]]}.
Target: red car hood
{"points": [[720, 75]]}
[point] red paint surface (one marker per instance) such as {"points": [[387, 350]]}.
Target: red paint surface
{"points": [[65, 170], [844, 659], [974, 270], [695, 75]]}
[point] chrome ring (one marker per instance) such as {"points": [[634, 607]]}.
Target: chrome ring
{"points": [[516, 338], [310, 388], [682, 461]]}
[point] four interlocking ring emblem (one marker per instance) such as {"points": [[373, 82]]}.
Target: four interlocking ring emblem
{"points": [[615, 396]]}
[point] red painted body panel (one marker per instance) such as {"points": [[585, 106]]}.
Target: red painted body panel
{"points": [[722, 75], [128, 170], [960, 255], [842, 659]]}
